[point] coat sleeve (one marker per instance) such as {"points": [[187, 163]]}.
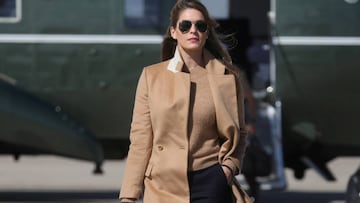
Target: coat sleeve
{"points": [[141, 137], [235, 155]]}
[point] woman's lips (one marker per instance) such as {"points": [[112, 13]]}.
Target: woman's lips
{"points": [[193, 39]]}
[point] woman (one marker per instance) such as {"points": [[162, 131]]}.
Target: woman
{"points": [[188, 133]]}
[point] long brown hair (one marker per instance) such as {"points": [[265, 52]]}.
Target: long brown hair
{"points": [[213, 43]]}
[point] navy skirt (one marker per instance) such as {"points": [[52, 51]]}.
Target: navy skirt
{"points": [[209, 185]]}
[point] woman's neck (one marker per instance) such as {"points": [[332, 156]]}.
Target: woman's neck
{"points": [[192, 59]]}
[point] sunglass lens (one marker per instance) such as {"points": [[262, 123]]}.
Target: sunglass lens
{"points": [[184, 26], [201, 26]]}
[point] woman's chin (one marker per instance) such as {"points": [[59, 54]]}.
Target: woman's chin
{"points": [[193, 47]]}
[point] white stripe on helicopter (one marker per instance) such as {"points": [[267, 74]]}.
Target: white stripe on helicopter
{"points": [[157, 39], [80, 39], [316, 41]]}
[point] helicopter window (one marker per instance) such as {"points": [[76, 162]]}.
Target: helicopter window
{"points": [[140, 13], [10, 11]]}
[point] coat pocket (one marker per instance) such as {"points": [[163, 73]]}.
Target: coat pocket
{"points": [[148, 171]]}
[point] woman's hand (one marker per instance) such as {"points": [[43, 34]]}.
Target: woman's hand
{"points": [[228, 174]]}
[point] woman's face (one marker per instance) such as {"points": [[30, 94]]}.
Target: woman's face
{"points": [[191, 30]]}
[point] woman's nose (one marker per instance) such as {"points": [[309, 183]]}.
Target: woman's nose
{"points": [[193, 28]]}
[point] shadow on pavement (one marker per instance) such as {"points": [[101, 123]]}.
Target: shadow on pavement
{"points": [[300, 197], [111, 196], [45, 196]]}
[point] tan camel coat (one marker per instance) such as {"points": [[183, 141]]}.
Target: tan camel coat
{"points": [[158, 154]]}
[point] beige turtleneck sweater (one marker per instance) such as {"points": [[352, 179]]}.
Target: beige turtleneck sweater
{"points": [[202, 129]]}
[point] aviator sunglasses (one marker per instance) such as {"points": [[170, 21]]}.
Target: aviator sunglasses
{"points": [[185, 26]]}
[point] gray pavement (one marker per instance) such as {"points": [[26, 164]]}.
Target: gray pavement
{"points": [[56, 179]]}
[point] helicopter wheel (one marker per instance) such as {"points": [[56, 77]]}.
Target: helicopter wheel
{"points": [[353, 188]]}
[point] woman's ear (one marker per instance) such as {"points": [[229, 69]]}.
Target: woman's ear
{"points": [[173, 32]]}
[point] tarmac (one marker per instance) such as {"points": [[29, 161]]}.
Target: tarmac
{"points": [[50, 179]]}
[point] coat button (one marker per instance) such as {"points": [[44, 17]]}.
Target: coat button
{"points": [[160, 148]]}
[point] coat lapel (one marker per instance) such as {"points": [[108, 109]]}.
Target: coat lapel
{"points": [[223, 89], [179, 82]]}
